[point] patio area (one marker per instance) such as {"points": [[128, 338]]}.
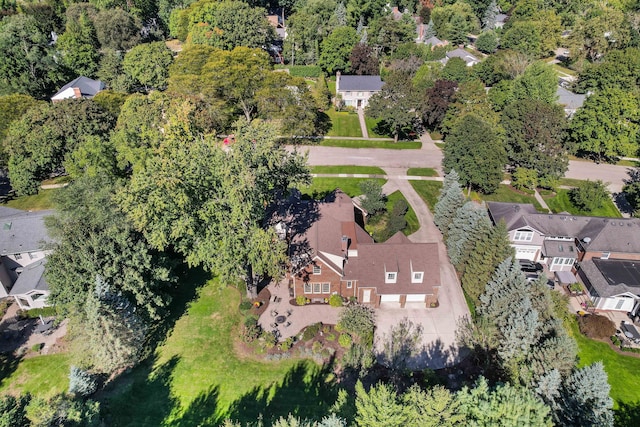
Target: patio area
{"points": [[287, 319]]}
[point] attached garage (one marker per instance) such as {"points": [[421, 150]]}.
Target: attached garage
{"points": [[526, 252], [390, 298], [416, 298]]}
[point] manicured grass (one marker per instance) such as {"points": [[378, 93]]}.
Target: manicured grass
{"points": [[422, 172], [440, 145], [320, 187], [370, 170], [41, 376], [436, 136], [628, 163], [359, 143], [623, 371], [57, 180], [507, 194], [344, 124], [331, 84], [428, 190], [37, 202], [198, 379], [371, 125], [569, 182], [562, 203]]}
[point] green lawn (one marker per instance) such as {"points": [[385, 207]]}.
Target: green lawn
{"points": [[562, 203], [42, 376], [377, 224], [507, 194], [569, 182], [422, 172], [623, 371], [358, 143], [428, 190], [37, 202], [198, 379], [344, 124], [331, 84], [412, 219], [370, 170], [440, 145], [320, 187]]}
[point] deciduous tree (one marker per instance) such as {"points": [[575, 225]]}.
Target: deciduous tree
{"points": [[148, 65], [395, 104], [336, 49], [363, 60]]}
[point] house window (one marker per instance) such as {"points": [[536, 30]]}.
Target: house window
{"points": [[18, 256], [317, 269], [605, 255], [619, 304], [316, 288], [359, 93], [417, 277], [349, 284], [326, 288], [523, 236], [307, 288], [347, 93], [391, 277]]}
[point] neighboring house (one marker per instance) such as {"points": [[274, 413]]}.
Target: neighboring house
{"points": [[603, 252], [468, 58], [82, 87], [356, 90], [570, 101], [432, 41], [332, 254], [276, 19], [23, 236], [501, 19]]}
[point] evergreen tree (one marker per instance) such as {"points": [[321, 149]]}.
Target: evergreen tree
{"points": [[434, 407], [468, 221], [449, 201], [506, 288], [519, 334], [585, 398], [379, 407], [490, 15], [341, 15], [430, 30], [489, 251]]}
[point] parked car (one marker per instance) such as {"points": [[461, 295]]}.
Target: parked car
{"points": [[532, 277], [530, 266]]}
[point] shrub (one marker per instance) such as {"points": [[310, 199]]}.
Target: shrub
{"points": [[34, 313], [301, 300], [269, 338], [286, 344], [575, 287], [615, 340], [4, 306], [335, 300], [358, 320], [81, 382], [345, 340], [524, 179], [37, 347], [246, 305], [596, 326], [330, 337], [316, 347], [311, 331], [251, 329]]}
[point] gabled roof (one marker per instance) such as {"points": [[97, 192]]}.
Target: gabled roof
{"points": [[363, 83], [463, 54], [605, 234], [433, 41], [31, 279], [568, 99], [23, 232], [87, 87], [612, 277]]}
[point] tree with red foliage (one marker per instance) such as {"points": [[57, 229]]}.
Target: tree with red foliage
{"points": [[436, 102], [364, 61]]}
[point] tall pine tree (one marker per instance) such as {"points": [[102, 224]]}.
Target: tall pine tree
{"points": [[463, 232], [449, 201]]}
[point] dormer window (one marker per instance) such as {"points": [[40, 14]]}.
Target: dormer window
{"points": [[417, 277], [391, 277], [317, 269], [523, 236]]}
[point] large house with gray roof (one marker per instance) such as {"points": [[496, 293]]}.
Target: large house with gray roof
{"points": [[570, 101], [23, 237], [81, 87], [603, 252], [355, 91], [332, 254]]}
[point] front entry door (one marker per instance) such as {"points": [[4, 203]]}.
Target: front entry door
{"points": [[366, 296]]}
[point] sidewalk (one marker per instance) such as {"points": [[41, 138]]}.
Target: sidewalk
{"points": [[363, 123], [364, 175]]}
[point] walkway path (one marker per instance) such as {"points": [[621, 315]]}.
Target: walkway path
{"points": [[541, 200], [363, 123]]}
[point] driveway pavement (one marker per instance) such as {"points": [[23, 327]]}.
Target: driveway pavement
{"points": [[612, 175]]}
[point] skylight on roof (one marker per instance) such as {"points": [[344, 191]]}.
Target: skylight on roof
{"points": [[7, 226]]}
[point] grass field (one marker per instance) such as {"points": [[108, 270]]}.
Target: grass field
{"points": [[344, 124], [428, 190], [562, 203], [507, 194], [198, 379], [41, 376], [371, 124], [37, 202], [422, 172], [320, 187], [370, 170], [359, 143], [623, 372]]}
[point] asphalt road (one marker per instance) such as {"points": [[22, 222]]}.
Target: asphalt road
{"points": [[611, 175]]}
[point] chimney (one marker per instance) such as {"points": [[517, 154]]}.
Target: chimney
{"points": [[344, 243], [338, 81]]}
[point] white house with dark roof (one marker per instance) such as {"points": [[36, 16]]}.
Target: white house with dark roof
{"points": [[467, 57], [356, 90], [82, 87], [604, 253], [23, 237]]}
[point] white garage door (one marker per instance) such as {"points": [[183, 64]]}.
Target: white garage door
{"points": [[416, 298], [390, 298], [526, 253]]}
